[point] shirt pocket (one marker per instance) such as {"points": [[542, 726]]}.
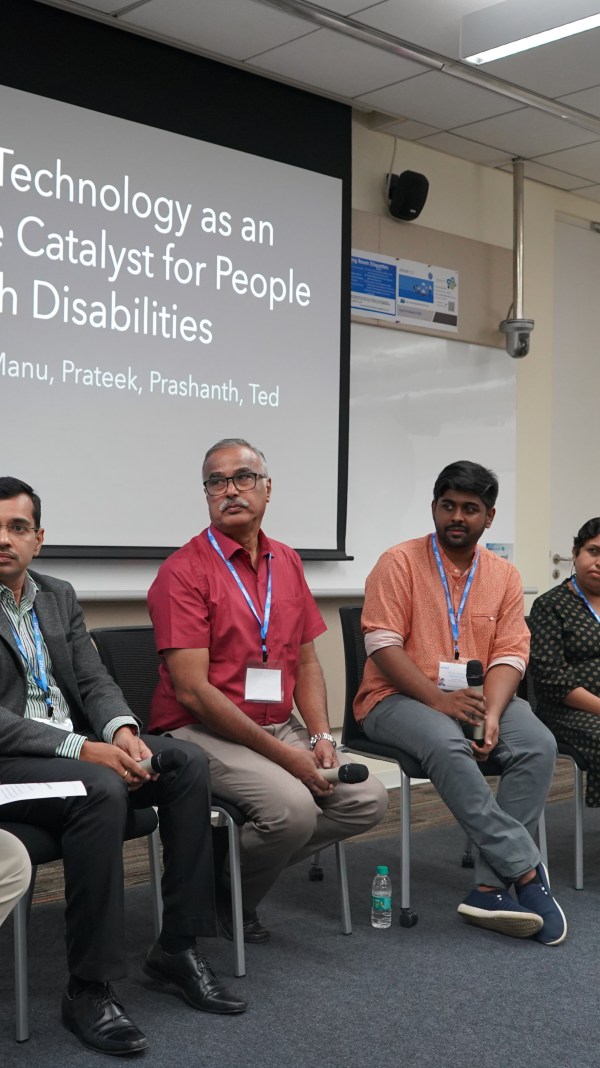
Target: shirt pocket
{"points": [[483, 629], [288, 623]]}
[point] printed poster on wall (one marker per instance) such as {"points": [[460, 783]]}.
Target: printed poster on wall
{"points": [[404, 291]]}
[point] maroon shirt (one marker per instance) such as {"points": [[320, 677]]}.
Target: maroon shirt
{"points": [[195, 603]]}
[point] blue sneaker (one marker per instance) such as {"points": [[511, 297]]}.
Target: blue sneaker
{"points": [[498, 911], [538, 897]]}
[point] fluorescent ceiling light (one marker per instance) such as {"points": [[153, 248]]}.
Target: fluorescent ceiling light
{"points": [[514, 26], [535, 40]]}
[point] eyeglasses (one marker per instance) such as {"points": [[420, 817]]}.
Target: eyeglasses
{"points": [[18, 528], [216, 485]]}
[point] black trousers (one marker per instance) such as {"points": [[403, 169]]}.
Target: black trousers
{"points": [[92, 832]]}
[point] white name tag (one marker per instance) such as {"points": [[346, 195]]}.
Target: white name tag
{"points": [[263, 683], [452, 675]]}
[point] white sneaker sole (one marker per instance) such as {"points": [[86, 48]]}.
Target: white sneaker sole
{"points": [[514, 924], [557, 941]]}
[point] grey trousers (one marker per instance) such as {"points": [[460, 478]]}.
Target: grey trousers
{"points": [[15, 872], [286, 823], [502, 827]]}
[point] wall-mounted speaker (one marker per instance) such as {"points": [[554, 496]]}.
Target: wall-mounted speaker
{"points": [[407, 194]]}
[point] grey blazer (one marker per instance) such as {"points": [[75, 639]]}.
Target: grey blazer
{"points": [[93, 698]]}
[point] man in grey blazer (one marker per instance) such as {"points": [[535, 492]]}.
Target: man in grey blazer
{"points": [[63, 718]]}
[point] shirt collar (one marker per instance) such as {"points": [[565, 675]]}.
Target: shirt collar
{"points": [[229, 547], [30, 589], [451, 568]]}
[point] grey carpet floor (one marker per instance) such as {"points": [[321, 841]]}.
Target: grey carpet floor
{"points": [[442, 994]]}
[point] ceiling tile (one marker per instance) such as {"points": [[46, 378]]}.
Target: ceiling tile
{"points": [[236, 29], [407, 130], [537, 172], [349, 7], [439, 100], [107, 7], [336, 63], [584, 161], [527, 132], [587, 100], [434, 25], [555, 69], [464, 149]]}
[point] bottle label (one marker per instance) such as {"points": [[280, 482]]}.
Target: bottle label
{"points": [[381, 904]]}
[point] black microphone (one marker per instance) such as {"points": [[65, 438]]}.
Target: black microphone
{"points": [[166, 760], [346, 773], [475, 682]]}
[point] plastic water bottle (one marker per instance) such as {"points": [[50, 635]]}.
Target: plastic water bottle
{"points": [[381, 898]]}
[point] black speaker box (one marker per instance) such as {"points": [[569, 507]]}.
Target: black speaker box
{"points": [[407, 193]]}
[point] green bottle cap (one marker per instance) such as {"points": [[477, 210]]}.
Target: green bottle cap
{"points": [[382, 869]]}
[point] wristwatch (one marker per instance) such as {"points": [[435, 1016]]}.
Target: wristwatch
{"points": [[322, 736]]}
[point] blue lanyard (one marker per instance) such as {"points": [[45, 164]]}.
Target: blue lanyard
{"points": [[264, 626], [581, 594], [41, 679], [452, 616]]}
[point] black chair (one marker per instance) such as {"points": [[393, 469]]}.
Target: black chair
{"points": [[580, 765], [44, 846], [130, 656], [355, 740]]}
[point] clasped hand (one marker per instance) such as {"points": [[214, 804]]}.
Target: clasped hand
{"points": [[304, 765], [123, 756], [469, 706]]}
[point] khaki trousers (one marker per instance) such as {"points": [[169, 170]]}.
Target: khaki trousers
{"points": [[15, 872], [286, 823]]}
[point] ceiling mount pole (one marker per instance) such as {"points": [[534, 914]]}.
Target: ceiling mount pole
{"points": [[518, 329], [518, 231]]}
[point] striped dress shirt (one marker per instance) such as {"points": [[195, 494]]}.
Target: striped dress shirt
{"points": [[21, 620]]}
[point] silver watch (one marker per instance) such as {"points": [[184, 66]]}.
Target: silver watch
{"points": [[322, 736]]}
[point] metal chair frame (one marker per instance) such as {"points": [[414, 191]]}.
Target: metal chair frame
{"points": [[21, 911], [580, 764]]}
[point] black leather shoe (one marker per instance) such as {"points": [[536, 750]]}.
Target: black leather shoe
{"points": [[99, 1021], [254, 932], [193, 976]]}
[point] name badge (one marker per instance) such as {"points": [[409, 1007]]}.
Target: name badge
{"points": [[452, 675], [264, 683]]}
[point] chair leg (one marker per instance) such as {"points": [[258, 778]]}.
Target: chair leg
{"points": [[315, 872], [578, 800], [154, 859], [235, 878], [20, 920], [407, 917], [542, 839], [340, 856]]}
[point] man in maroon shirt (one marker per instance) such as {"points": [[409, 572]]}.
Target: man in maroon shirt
{"points": [[235, 623]]}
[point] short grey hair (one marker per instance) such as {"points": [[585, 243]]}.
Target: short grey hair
{"points": [[231, 443]]}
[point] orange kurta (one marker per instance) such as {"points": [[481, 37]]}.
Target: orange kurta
{"points": [[404, 594]]}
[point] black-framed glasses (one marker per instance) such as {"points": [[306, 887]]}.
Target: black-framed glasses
{"points": [[18, 528], [217, 485]]}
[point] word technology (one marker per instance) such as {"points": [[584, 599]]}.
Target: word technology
{"points": [[169, 216]]}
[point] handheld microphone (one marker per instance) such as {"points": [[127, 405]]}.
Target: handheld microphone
{"points": [[166, 760], [475, 682], [346, 773]]}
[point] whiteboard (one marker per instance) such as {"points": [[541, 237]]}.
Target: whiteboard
{"points": [[417, 403]]}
